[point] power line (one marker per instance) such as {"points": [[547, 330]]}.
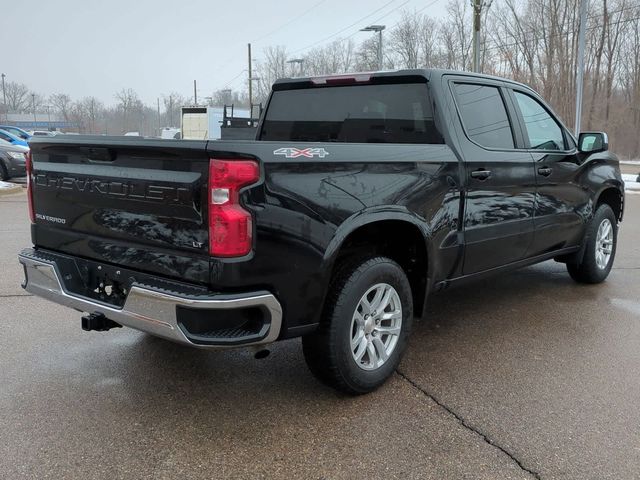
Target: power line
{"points": [[564, 34], [381, 18], [234, 78], [536, 37], [231, 58], [345, 28], [430, 4], [295, 19]]}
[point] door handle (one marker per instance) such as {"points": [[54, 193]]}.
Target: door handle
{"points": [[545, 171], [481, 174]]}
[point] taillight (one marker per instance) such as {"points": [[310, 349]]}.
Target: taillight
{"points": [[230, 225], [29, 168]]}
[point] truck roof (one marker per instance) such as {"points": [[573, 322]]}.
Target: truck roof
{"points": [[355, 77]]}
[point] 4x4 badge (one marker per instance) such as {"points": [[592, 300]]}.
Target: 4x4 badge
{"points": [[291, 152]]}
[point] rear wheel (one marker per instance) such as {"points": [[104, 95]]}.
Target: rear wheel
{"points": [[365, 328], [600, 248]]}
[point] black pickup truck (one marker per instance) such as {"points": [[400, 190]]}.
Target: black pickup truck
{"points": [[361, 195]]}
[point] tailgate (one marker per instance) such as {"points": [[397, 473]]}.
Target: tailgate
{"points": [[130, 202]]}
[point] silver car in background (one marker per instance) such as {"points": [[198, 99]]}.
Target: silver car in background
{"points": [[12, 160]]}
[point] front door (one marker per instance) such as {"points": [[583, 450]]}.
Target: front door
{"points": [[562, 203], [500, 178]]}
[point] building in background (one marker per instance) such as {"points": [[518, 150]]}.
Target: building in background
{"points": [[40, 121]]}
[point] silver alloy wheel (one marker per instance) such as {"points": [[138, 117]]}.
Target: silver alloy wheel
{"points": [[376, 326], [604, 244]]}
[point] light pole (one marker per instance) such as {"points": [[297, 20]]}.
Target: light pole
{"points": [[33, 102], [379, 29], [4, 101], [299, 61]]}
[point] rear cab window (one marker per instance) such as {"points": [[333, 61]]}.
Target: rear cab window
{"points": [[373, 113]]}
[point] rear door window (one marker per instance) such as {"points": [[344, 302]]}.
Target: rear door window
{"points": [[484, 115], [389, 113]]}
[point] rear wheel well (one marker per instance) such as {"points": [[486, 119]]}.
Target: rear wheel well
{"points": [[613, 198], [401, 241]]}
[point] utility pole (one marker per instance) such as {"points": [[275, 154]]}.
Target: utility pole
{"points": [[33, 102], [170, 110], [93, 116], [477, 11], [250, 81], [159, 127], [580, 72], [478, 6], [195, 94], [378, 29], [4, 101]]}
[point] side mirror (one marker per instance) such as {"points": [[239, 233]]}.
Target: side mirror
{"points": [[592, 142]]}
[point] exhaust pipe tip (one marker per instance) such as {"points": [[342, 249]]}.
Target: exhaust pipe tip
{"points": [[262, 353]]}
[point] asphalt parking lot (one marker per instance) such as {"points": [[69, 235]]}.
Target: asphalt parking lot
{"points": [[528, 375]]}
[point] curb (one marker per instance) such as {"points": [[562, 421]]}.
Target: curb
{"points": [[10, 190]]}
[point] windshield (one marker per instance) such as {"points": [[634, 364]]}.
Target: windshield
{"points": [[7, 136], [17, 132]]}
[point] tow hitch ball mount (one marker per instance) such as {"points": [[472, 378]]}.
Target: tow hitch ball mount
{"points": [[98, 322]]}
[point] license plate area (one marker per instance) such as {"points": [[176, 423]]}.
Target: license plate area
{"points": [[104, 283]]}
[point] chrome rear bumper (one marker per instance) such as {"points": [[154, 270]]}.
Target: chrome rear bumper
{"points": [[146, 309]]}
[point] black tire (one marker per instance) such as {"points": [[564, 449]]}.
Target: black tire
{"points": [[4, 174], [587, 270], [328, 351]]}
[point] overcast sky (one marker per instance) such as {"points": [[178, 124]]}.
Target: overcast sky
{"points": [[90, 47]]}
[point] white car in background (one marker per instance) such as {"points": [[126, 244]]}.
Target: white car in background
{"points": [[44, 133]]}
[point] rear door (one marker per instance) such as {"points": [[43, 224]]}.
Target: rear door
{"points": [[561, 201], [499, 178]]}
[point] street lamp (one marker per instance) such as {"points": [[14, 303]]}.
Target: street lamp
{"points": [[299, 61], [379, 29]]}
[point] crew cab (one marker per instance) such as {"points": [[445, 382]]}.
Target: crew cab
{"points": [[360, 197]]}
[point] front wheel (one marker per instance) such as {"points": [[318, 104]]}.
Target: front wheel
{"points": [[365, 328], [600, 248], [4, 174]]}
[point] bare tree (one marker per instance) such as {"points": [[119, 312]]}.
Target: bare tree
{"points": [[131, 108], [616, 29], [18, 96], [86, 113], [456, 36], [272, 67], [599, 47], [62, 103], [406, 40], [367, 55], [336, 57], [173, 102]]}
